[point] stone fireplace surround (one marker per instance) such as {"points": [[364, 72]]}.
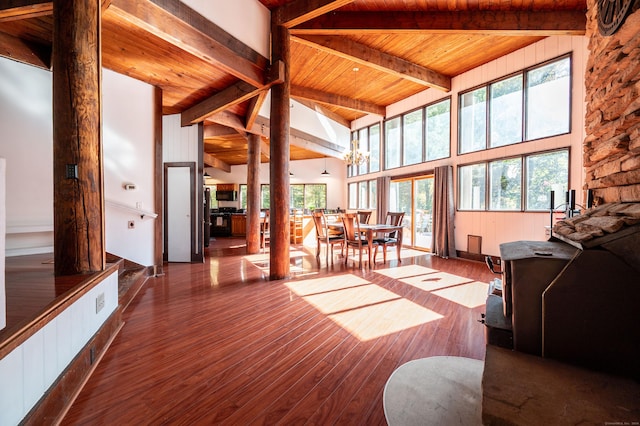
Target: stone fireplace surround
{"points": [[611, 148]]}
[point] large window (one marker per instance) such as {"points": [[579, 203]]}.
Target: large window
{"points": [[362, 195], [374, 148], [301, 196], [495, 114], [499, 183]]}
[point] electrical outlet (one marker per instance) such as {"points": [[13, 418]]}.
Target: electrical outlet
{"points": [[99, 302], [131, 224]]}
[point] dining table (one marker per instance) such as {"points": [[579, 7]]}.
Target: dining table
{"points": [[371, 229]]}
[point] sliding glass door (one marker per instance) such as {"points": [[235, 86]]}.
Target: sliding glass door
{"points": [[414, 196]]}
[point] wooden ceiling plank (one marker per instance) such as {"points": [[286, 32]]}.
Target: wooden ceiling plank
{"points": [[168, 27], [230, 96], [211, 161], [24, 51], [366, 56], [218, 130], [337, 100], [299, 11], [523, 23], [11, 10]]}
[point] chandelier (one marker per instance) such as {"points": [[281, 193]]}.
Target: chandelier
{"points": [[355, 156]]}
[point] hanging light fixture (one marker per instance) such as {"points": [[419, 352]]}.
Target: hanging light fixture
{"points": [[325, 172], [355, 156]]}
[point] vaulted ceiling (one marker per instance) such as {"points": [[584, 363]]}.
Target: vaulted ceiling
{"points": [[400, 48]]}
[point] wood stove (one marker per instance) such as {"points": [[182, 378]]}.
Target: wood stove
{"points": [[574, 298]]}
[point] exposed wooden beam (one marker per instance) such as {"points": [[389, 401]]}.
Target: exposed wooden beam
{"points": [[211, 161], [24, 51], [218, 130], [11, 10], [341, 101], [299, 11], [538, 23], [175, 23], [326, 112], [253, 109], [232, 95], [365, 55], [229, 119], [309, 142]]}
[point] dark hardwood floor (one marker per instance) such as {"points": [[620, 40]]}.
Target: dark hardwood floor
{"points": [[217, 343]]}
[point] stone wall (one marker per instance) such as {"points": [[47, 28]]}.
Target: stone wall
{"points": [[612, 121]]}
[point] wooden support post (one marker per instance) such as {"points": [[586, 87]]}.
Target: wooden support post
{"points": [[253, 194], [158, 171], [279, 265], [79, 244]]}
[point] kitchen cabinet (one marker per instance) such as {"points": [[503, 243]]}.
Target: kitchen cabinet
{"points": [[238, 225]]}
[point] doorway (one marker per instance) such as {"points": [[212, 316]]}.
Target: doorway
{"points": [[179, 207], [414, 196]]}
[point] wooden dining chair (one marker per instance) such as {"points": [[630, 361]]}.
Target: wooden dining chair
{"points": [[324, 236], [364, 215], [391, 238], [353, 238], [264, 228]]}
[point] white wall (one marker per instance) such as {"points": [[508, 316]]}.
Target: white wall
{"points": [[128, 145], [26, 141], [3, 215], [247, 20], [498, 227], [180, 144], [304, 171], [26, 132]]}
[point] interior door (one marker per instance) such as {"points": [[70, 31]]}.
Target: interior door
{"points": [[179, 212], [414, 196]]}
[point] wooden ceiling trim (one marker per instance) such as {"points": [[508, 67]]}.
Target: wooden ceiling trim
{"points": [[211, 161], [230, 96], [299, 11], [364, 55], [166, 26], [522, 23], [337, 100], [11, 10], [24, 51]]}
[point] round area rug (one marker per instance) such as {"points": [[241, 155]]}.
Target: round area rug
{"points": [[441, 390]]}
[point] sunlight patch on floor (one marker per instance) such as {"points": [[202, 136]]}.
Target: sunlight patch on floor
{"points": [[371, 322], [325, 285], [407, 253], [435, 281], [405, 271], [364, 309], [470, 295]]}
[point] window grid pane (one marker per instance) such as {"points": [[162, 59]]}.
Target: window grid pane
{"points": [[473, 120], [549, 99], [392, 144], [505, 112], [373, 194], [353, 196], [412, 138], [545, 173], [374, 146], [472, 187], [438, 130], [363, 192], [505, 182], [363, 139]]}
